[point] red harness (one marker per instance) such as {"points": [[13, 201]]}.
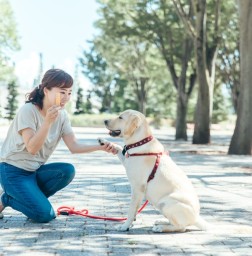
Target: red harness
{"points": [[140, 143], [67, 210]]}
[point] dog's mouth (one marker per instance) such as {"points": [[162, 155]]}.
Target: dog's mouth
{"points": [[114, 133]]}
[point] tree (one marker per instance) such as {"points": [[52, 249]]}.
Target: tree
{"points": [[221, 106], [12, 104], [95, 67], [157, 23], [38, 79], [79, 102], [8, 39], [205, 52], [133, 66], [88, 103], [241, 142], [228, 61]]}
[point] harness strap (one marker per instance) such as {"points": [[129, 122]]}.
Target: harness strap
{"points": [[154, 169], [158, 157]]}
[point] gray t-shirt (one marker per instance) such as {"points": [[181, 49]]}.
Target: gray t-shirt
{"points": [[13, 149]]}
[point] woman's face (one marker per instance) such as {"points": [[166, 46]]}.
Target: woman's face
{"points": [[64, 95]]}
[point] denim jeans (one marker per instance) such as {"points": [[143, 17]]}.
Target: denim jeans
{"points": [[28, 192]]}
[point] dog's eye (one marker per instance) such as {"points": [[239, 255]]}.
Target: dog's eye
{"points": [[120, 117]]}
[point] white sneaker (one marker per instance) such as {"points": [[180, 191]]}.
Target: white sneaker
{"points": [[1, 204]]}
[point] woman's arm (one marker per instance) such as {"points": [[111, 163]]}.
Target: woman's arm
{"points": [[34, 140], [75, 147]]}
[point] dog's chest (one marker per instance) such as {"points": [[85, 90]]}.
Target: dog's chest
{"points": [[139, 168]]}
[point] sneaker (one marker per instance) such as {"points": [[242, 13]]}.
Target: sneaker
{"points": [[1, 204]]}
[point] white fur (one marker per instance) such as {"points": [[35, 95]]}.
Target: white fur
{"points": [[171, 192]]}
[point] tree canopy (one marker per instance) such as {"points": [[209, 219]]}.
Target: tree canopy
{"points": [[8, 39]]}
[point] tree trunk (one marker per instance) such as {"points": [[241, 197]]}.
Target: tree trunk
{"points": [[141, 94], [202, 114], [205, 63], [181, 126], [180, 85], [241, 143]]}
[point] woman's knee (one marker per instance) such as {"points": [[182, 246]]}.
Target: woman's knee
{"points": [[69, 172], [44, 216]]}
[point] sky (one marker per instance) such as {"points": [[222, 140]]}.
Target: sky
{"points": [[59, 29]]}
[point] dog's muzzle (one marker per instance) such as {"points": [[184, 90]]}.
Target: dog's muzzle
{"points": [[112, 133]]}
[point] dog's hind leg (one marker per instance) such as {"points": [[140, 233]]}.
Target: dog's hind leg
{"points": [[166, 228], [180, 216]]}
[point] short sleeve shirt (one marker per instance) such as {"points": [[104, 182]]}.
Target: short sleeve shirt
{"points": [[14, 151]]}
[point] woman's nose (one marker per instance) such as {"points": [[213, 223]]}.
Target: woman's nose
{"points": [[66, 97]]}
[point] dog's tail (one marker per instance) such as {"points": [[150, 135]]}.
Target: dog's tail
{"points": [[201, 223]]}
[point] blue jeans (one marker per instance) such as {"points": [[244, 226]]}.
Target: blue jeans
{"points": [[28, 192]]}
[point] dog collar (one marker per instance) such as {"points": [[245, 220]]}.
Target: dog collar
{"points": [[137, 144]]}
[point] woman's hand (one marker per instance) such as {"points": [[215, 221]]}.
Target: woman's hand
{"points": [[110, 148], [52, 113]]}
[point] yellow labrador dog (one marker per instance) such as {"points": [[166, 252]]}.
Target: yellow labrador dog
{"points": [[152, 173]]}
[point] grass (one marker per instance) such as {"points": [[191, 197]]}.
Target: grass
{"points": [[89, 120], [97, 120]]}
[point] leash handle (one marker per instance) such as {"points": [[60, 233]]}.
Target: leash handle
{"points": [[69, 210]]}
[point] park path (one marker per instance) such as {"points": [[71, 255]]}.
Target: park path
{"points": [[224, 185]]}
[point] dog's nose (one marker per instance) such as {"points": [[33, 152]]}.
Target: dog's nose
{"points": [[106, 122]]}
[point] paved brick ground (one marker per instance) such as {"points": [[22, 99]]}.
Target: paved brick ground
{"points": [[222, 182]]}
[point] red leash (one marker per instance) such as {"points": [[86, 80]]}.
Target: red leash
{"points": [[67, 210]]}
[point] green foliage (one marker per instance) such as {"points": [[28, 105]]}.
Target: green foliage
{"points": [[228, 61], [137, 59], [127, 71], [12, 104], [95, 68], [221, 106], [82, 106], [89, 120], [1, 114], [8, 39], [79, 106], [97, 120], [88, 104]]}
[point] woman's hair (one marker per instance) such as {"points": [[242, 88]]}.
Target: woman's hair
{"points": [[52, 78]]}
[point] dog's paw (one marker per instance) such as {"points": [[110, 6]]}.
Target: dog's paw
{"points": [[101, 141], [161, 222], [157, 229], [123, 227]]}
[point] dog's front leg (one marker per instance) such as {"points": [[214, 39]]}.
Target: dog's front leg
{"points": [[136, 199], [117, 147], [120, 156]]}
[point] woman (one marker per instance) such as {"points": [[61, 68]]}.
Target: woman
{"points": [[35, 132]]}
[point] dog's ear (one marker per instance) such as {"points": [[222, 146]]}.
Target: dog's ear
{"points": [[133, 123]]}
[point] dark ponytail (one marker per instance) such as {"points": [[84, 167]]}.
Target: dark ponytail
{"points": [[36, 97], [52, 78]]}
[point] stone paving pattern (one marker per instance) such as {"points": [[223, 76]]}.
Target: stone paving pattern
{"points": [[223, 183]]}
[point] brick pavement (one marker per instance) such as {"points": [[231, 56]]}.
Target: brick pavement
{"points": [[222, 182]]}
